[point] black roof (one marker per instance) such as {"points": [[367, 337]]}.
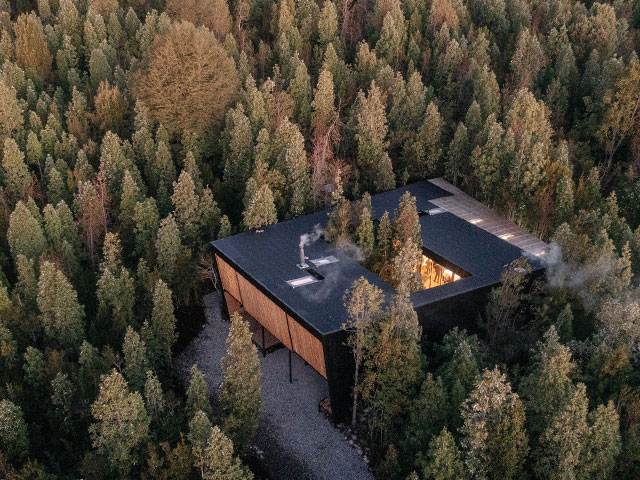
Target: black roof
{"points": [[269, 258]]}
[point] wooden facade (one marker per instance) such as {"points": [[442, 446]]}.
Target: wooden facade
{"points": [[242, 296]]}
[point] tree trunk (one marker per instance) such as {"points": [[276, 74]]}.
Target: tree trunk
{"points": [[354, 410]]}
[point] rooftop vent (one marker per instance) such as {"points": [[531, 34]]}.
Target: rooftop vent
{"points": [[318, 262], [312, 277], [302, 281], [431, 211]]}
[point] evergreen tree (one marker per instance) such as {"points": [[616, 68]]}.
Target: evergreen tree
{"points": [[17, 178], [562, 443], [527, 60], [238, 151], [428, 413], [323, 104], [493, 435], [160, 334], [218, 462], [300, 91], [146, 219], [261, 210], [197, 394], [376, 172], [548, 388], [168, 248], [444, 459], [121, 423], [603, 446], [135, 359], [199, 431], [240, 393], [60, 313], [153, 395], [297, 190], [11, 119], [186, 208], [458, 154], [14, 441], [365, 232], [425, 153]]}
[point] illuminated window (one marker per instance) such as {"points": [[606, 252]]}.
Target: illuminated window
{"points": [[438, 272]]}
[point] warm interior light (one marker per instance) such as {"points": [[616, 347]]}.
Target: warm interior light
{"points": [[433, 274]]}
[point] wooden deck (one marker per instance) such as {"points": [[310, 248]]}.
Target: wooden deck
{"points": [[462, 205]]}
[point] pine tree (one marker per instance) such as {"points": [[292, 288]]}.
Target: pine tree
{"points": [[61, 314], [99, 68], [376, 172], [225, 227], [390, 46], [14, 441], [323, 104], [548, 388], [197, 394], [186, 208], [199, 431], [425, 153], [238, 151], [300, 91], [261, 210], [603, 445], [146, 219], [218, 462], [135, 359], [153, 396], [115, 292], [27, 285], [493, 435], [17, 178], [458, 154], [160, 334], [110, 107], [240, 393], [33, 367], [562, 443], [121, 423], [486, 92], [528, 120], [11, 119], [128, 199], [444, 458], [293, 165], [31, 50], [384, 238], [168, 248], [365, 233], [428, 413]]}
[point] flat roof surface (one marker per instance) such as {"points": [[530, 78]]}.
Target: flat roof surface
{"points": [[269, 259]]}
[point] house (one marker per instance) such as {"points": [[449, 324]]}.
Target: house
{"points": [[294, 295]]}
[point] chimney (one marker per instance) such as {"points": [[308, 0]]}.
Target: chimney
{"points": [[303, 263]]}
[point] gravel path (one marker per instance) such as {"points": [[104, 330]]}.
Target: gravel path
{"points": [[297, 440]]}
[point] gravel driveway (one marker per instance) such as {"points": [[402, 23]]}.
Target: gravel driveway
{"points": [[297, 440]]}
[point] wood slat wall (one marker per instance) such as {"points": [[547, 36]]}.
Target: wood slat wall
{"points": [[307, 346], [264, 310], [241, 295], [233, 305], [229, 279]]}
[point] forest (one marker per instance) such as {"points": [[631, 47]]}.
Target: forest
{"points": [[134, 132]]}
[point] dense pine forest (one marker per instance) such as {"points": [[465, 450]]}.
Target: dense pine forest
{"points": [[133, 132]]}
